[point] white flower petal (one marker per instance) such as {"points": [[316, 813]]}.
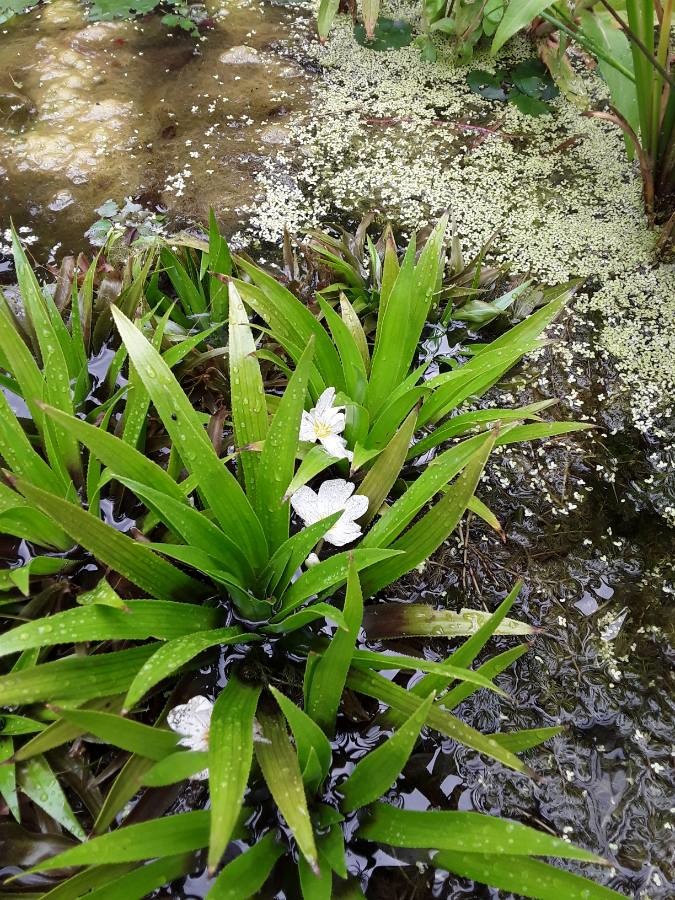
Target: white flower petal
{"points": [[324, 402], [334, 493], [336, 446], [312, 560], [258, 736], [192, 721], [307, 427], [356, 506], [343, 532], [334, 419], [305, 502]]}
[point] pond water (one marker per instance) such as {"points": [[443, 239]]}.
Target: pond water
{"points": [[91, 111], [114, 110]]}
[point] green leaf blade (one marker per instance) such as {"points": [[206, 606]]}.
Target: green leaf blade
{"points": [[147, 840], [330, 672], [523, 876], [280, 767], [230, 758], [466, 832], [377, 772], [244, 876]]}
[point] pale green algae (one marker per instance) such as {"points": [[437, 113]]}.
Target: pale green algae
{"points": [[382, 133]]}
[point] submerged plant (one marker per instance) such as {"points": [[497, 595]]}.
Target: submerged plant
{"points": [[215, 563]]}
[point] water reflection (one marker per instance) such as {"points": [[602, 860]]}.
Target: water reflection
{"points": [[91, 111]]}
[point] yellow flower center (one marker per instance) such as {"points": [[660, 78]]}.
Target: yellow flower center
{"points": [[321, 430]]}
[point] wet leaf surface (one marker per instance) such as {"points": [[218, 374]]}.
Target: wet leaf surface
{"points": [[390, 34]]}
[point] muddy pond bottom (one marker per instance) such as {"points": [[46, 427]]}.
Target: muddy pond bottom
{"points": [[97, 111]]}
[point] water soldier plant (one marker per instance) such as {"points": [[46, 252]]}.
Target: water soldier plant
{"points": [[184, 547]]}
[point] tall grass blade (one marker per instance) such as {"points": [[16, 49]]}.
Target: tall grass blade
{"points": [[74, 678], [37, 781], [119, 731], [310, 741], [138, 620], [147, 840], [277, 460], [405, 703], [521, 875], [467, 832], [223, 494], [247, 392], [170, 657]]}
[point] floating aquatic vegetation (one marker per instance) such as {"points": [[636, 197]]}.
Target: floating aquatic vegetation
{"points": [[528, 85]]}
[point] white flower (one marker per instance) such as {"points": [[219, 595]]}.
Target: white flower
{"points": [[325, 423], [192, 721], [333, 495]]}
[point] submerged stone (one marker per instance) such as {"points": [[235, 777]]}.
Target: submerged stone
{"points": [[240, 56]]}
